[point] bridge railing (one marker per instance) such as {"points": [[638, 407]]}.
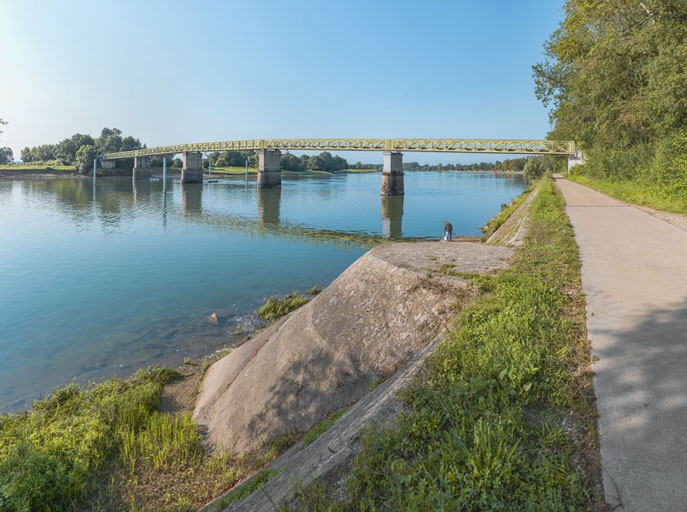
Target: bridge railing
{"points": [[531, 147]]}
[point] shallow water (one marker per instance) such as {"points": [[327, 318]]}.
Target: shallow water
{"points": [[98, 281]]}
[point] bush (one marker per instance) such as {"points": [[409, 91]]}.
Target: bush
{"points": [[669, 169], [619, 164]]}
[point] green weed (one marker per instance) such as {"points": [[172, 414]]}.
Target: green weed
{"points": [[256, 482], [276, 308]]}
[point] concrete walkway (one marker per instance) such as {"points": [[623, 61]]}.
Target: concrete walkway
{"points": [[634, 275]]}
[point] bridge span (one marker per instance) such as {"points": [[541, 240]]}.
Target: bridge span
{"points": [[269, 154]]}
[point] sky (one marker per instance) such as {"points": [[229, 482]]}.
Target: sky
{"points": [[177, 72]]}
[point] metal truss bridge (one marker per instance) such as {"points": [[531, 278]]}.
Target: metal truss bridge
{"points": [[526, 147]]}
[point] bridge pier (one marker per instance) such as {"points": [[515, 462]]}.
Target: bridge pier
{"points": [[108, 164], [269, 172], [192, 170], [142, 168], [392, 174]]}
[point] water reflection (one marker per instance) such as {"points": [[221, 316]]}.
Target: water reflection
{"points": [[141, 190], [392, 216], [191, 198], [268, 206]]}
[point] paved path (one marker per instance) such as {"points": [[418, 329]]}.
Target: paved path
{"points": [[634, 275]]}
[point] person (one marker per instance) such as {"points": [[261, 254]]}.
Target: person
{"points": [[448, 231]]}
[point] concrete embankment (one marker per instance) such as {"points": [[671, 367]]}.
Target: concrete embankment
{"points": [[372, 319], [380, 315]]}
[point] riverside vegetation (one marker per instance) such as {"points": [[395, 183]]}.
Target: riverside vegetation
{"points": [[502, 419], [615, 80]]}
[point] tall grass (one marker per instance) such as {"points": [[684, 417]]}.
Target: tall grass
{"points": [[107, 447], [492, 425]]}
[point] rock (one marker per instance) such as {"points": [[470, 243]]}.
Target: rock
{"points": [[213, 319]]}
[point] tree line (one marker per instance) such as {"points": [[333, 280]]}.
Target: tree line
{"points": [[80, 150], [615, 78]]}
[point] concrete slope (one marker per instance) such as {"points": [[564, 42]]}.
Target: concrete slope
{"points": [[369, 322], [634, 275]]}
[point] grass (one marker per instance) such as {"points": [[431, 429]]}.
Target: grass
{"points": [[635, 192], [276, 307], [321, 428], [497, 421], [36, 167], [506, 211], [256, 482], [108, 447]]}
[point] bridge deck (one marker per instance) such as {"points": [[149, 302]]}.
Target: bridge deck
{"points": [[528, 147]]}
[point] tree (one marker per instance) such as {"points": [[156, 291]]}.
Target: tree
{"points": [[291, 162], [2, 122], [6, 156], [85, 156], [26, 156], [614, 73], [326, 162], [110, 140], [536, 166]]}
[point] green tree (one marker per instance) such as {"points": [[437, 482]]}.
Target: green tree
{"points": [[26, 155], [535, 167], [84, 158], [326, 162], [615, 73], [66, 150], [291, 162], [6, 156]]}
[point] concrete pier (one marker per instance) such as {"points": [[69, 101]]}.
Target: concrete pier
{"points": [[108, 164], [269, 172], [142, 168], [192, 170], [392, 174]]}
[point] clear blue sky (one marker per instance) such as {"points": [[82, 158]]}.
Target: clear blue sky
{"points": [[209, 70]]}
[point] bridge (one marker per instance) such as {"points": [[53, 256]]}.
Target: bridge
{"points": [[269, 154]]}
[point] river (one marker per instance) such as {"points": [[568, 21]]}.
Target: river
{"points": [[100, 281]]}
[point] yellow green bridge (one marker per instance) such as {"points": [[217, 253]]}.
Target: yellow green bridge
{"points": [[269, 154]]}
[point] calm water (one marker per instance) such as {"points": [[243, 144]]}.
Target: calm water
{"points": [[98, 282]]}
